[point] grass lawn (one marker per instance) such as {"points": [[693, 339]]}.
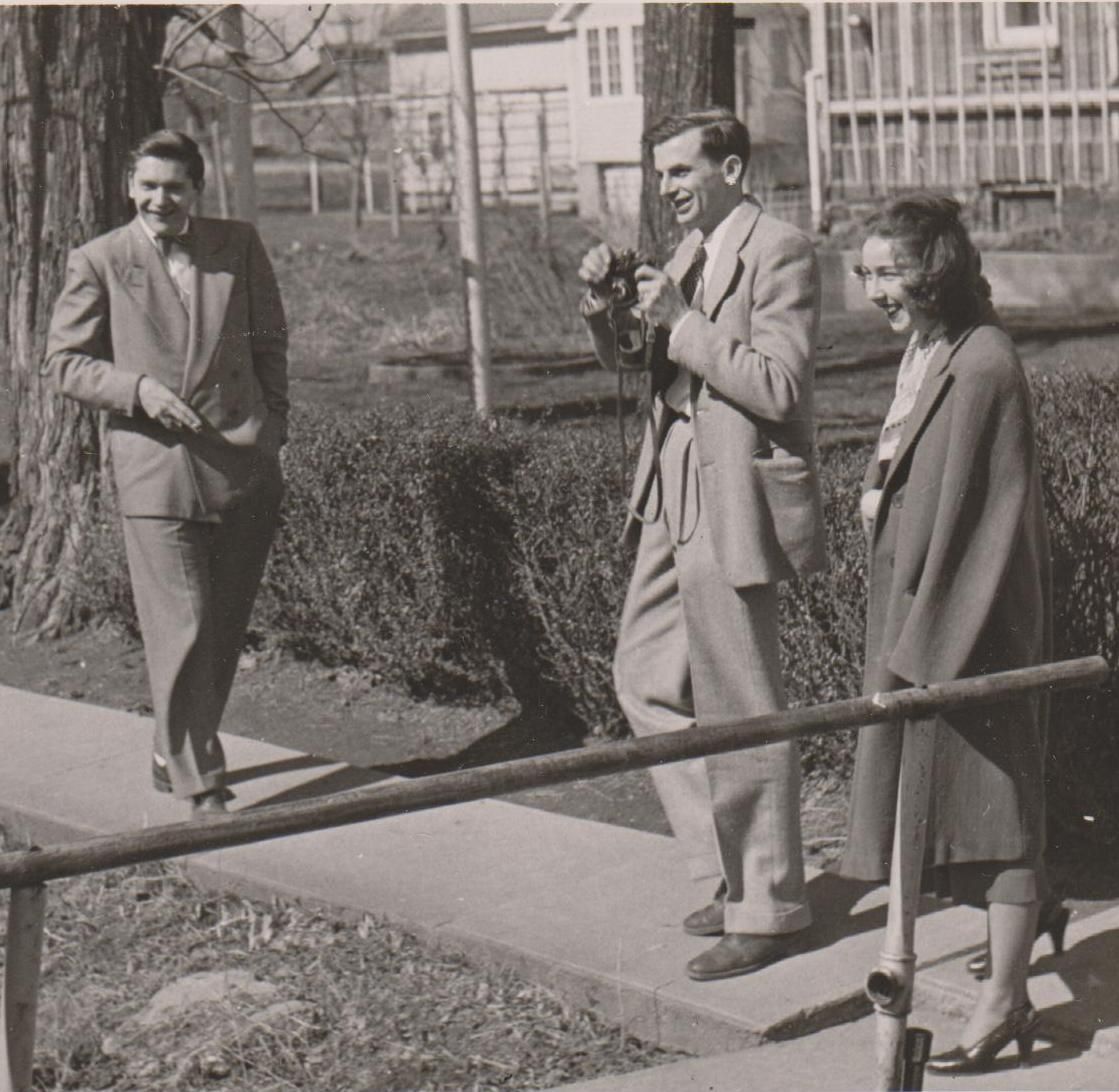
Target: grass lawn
{"points": [[318, 1002], [358, 300]]}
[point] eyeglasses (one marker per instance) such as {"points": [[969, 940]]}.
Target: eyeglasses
{"points": [[889, 275]]}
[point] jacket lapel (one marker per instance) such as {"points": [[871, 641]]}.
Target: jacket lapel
{"points": [[718, 284], [936, 378], [681, 260], [214, 275], [149, 284]]}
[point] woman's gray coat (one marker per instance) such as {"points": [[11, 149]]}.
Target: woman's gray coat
{"points": [[959, 586]]}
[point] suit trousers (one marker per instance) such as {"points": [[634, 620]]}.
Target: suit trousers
{"points": [[693, 649], [194, 583]]}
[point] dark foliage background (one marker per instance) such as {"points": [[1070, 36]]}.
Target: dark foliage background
{"points": [[470, 561]]}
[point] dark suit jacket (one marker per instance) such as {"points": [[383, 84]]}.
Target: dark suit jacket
{"points": [[752, 359], [119, 317]]}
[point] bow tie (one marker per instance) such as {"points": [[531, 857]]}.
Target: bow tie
{"points": [[166, 242]]}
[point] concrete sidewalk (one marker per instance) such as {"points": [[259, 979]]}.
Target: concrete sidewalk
{"points": [[841, 1059], [590, 910]]}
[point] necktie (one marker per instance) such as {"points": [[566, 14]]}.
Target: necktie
{"points": [[690, 281], [666, 375]]}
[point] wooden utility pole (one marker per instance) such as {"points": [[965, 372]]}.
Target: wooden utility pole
{"points": [[545, 173], [239, 116], [221, 180], [471, 238]]}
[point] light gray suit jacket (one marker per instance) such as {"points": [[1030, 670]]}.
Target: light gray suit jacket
{"points": [[752, 360], [119, 317]]}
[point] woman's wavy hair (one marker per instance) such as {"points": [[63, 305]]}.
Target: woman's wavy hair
{"points": [[946, 276]]}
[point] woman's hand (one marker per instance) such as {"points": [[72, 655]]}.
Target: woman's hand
{"points": [[868, 509]]}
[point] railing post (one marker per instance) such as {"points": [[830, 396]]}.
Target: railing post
{"points": [[890, 984], [23, 957]]}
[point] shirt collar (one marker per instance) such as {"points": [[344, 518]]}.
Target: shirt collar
{"points": [[714, 242]]}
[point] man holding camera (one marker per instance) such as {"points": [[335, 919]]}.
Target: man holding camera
{"points": [[725, 505]]}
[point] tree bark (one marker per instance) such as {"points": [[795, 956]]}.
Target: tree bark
{"points": [[688, 65], [77, 89]]}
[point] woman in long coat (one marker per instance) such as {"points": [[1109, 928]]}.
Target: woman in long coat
{"points": [[959, 586]]}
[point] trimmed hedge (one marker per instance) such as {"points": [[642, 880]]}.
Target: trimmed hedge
{"points": [[386, 556], [1078, 427], [470, 561]]}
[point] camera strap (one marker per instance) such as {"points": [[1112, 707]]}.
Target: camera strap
{"points": [[656, 426]]}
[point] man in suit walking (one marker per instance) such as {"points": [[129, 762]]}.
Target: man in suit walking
{"points": [[174, 325], [725, 505]]}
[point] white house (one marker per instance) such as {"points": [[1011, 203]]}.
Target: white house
{"points": [[603, 63], [605, 50], [573, 71], [520, 73]]}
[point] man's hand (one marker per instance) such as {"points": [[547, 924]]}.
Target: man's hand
{"points": [[595, 265], [164, 406], [659, 297]]}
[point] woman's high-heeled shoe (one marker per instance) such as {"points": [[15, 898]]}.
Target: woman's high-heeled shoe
{"points": [[1021, 1025], [1053, 919]]}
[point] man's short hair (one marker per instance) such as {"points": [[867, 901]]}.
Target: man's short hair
{"points": [[722, 133], [170, 144]]}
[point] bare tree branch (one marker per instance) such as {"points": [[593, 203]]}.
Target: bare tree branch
{"points": [[202, 24], [199, 58], [197, 23]]}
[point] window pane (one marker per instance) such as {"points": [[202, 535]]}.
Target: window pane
{"points": [[594, 62], [638, 60], [1022, 14], [614, 60], [779, 58], [435, 136]]}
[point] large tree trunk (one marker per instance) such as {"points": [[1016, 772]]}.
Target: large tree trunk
{"points": [[77, 88], [688, 65]]}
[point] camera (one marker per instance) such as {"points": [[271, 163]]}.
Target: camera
{"points": [[619, 286]]}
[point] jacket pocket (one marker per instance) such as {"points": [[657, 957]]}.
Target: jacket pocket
{"points": [[792, 496]]}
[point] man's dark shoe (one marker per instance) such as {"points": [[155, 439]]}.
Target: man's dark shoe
{"points": [[208, 804], [161, 777], [708, 921], [741, 953]]}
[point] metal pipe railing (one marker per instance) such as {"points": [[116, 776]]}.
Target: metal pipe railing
{"points": [[26, 872], [379, 801]]}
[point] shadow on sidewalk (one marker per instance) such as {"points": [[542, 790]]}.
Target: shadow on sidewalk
{"points": [[1089, 971], [525, 736]]}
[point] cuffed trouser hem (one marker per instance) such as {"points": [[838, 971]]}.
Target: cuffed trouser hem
{"points": [[740, 918], [704, 868]]}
